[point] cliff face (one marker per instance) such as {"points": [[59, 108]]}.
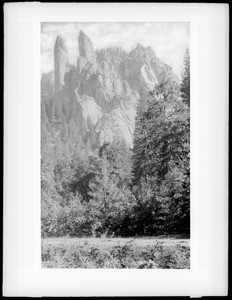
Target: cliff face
{"points": [[97, 97], [60, 62], [85, 47]]}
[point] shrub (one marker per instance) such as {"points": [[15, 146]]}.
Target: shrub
{"points": [[119, 255]]}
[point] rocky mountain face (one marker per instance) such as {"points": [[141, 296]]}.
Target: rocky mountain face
{"points": [[94, 101]]}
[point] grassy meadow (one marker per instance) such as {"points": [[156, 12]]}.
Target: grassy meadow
{"points": [[119, 253]]}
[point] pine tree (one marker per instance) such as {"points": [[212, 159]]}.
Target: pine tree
{"points": [[140, 137], [109, 190], [185, 83], [161, 158]]}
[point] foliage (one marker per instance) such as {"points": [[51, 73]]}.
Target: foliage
{"points": [[118, 255], [161, 159], [185, 83], [87, 196], [115, 190], [110, 194]]}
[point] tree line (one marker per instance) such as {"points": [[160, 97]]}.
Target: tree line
{"points": [[121, 191]]}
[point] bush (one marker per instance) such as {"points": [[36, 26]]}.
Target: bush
{"points": [[119, 256]]}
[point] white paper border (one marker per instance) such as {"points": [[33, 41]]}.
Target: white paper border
{"points": [[23, 275]]}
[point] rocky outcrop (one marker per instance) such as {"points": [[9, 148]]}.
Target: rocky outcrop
{"points": [[86, 47], [48, 85], [60, 68], [97, 97], [60, 62]]}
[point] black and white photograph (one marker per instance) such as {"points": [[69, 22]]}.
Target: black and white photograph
{"points": [[116, 149], [115, 145]]}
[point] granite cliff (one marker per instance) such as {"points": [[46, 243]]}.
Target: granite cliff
{"points": [[94, 101]]}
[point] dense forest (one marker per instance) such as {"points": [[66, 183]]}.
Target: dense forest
{"points": [[120, 190]]}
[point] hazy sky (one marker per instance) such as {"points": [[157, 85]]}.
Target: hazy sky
{"points": [[168, 40]]}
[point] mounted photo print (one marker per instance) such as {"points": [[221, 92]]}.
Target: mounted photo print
{"points": [[115, 149], [115, 145]]}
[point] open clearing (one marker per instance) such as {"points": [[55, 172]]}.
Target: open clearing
{"points": [[143, 241], [143, 252]]}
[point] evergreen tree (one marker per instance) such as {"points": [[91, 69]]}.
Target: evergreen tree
{"points": [[185, 83], [110, 193], [161, 158]]}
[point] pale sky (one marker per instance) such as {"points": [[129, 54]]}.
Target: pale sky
{"points": [[169, 40]]}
